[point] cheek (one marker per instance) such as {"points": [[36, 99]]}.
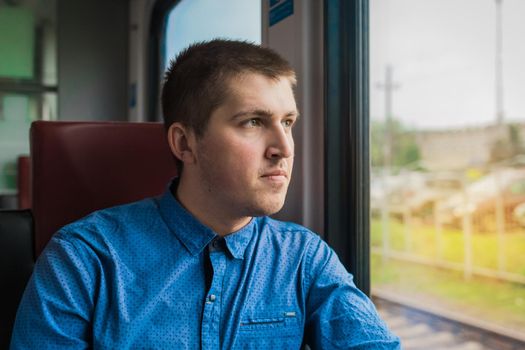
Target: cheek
{"points": [[244, 160], [234, 159]]}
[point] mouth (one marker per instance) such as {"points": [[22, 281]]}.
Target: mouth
{"points": [[276, 176]]}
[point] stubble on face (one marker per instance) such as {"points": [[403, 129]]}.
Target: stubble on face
{"points": [[232, 163], [240, 190]]}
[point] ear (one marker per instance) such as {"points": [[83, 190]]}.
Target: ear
{"points": [[181, 143]]}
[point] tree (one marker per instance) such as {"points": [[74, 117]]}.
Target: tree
{"points": [[404, 150]]}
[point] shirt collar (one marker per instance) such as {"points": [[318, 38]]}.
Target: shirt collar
{"points": [[238, 241], [192, 233]]}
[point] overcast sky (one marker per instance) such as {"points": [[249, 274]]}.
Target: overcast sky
{"points": [[443, 56]]}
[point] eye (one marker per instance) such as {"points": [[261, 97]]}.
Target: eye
{"points": [[288, 123], [252, 123]]}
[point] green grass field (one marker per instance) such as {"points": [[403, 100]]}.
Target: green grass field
{"points": [[487, 299], [423, 241]]}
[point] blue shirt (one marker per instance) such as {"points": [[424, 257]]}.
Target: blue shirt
{"points": [[149, 275]]}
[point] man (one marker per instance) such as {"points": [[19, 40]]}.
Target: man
{"points": [[203, 266]]}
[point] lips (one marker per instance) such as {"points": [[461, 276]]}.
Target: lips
{"points": [[276, 173], [276, 177]]}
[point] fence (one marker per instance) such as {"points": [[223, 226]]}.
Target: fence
{"points": [[470, 226]]}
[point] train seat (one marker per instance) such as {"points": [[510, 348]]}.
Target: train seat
{"points": [[16, 265], [76, 168], [24, 182], [79, 167]]}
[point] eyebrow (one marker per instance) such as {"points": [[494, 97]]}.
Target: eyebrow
{"points": [[265, 113]]}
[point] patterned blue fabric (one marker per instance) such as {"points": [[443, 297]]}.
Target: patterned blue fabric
{"points": [[134, 277]]}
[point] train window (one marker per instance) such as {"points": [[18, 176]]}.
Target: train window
{"points": [[192, 21], [448, 158], [175, 27], [28, 82]]}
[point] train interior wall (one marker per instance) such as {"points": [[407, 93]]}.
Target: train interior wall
{"points": [[93, 59]]}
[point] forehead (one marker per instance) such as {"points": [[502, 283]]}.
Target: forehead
{"points": [[238, 81], [256, 89]]}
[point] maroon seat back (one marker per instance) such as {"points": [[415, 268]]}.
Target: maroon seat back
{"points": [[24, 182], [79, 167]]}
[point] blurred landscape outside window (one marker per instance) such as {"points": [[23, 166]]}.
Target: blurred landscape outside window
{"points": [[28, 82], [448, 157]]}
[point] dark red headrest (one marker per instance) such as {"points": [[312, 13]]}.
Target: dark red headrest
{"points": [[79, 167]]}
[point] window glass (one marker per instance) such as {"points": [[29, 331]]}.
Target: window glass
{"points": [[17, 41], [448, 157], [198, 20], [28, 78]]}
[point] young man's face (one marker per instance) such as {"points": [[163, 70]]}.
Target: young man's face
{"points": [[245, 156]]}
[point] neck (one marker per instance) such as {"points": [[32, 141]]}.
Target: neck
{"points": [[203, 208]]}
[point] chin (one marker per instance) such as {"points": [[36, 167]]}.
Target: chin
{"points": [[266, 208]]}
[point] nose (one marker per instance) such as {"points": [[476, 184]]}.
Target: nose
{"points": [[281, 144]]}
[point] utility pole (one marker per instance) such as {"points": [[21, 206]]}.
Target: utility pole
{"points": [[500, 114], [388, 86], [499, 63]]}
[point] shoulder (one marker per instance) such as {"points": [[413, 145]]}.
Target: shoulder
{"points": [[280, 228], [293, 238], [291, 230], [108, 225], [110, 219], [283, 231], [317, 255]]}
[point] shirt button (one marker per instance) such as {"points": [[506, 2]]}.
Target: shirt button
{"points": [[212, 297]]}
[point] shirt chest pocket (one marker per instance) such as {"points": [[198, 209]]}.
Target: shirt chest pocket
{"points": [[280, 323]]}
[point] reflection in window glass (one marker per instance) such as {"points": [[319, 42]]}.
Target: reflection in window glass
{"points": [[198, 20], [16, 114], [28, 78], [448, 157], [17, 41]]}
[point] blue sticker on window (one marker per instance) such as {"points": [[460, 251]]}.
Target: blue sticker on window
{"points": [[281, 11]]}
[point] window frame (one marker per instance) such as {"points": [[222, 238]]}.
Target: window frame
{"points": [[156, 52], [347, 150]]}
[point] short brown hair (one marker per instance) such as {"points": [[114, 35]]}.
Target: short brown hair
{"points": [[196, 82]]}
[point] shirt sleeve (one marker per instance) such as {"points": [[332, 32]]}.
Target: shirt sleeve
{"points": [[338, 314], [55, 309]]}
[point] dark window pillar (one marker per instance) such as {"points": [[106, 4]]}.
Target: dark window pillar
{"points": [[347, 157]]}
